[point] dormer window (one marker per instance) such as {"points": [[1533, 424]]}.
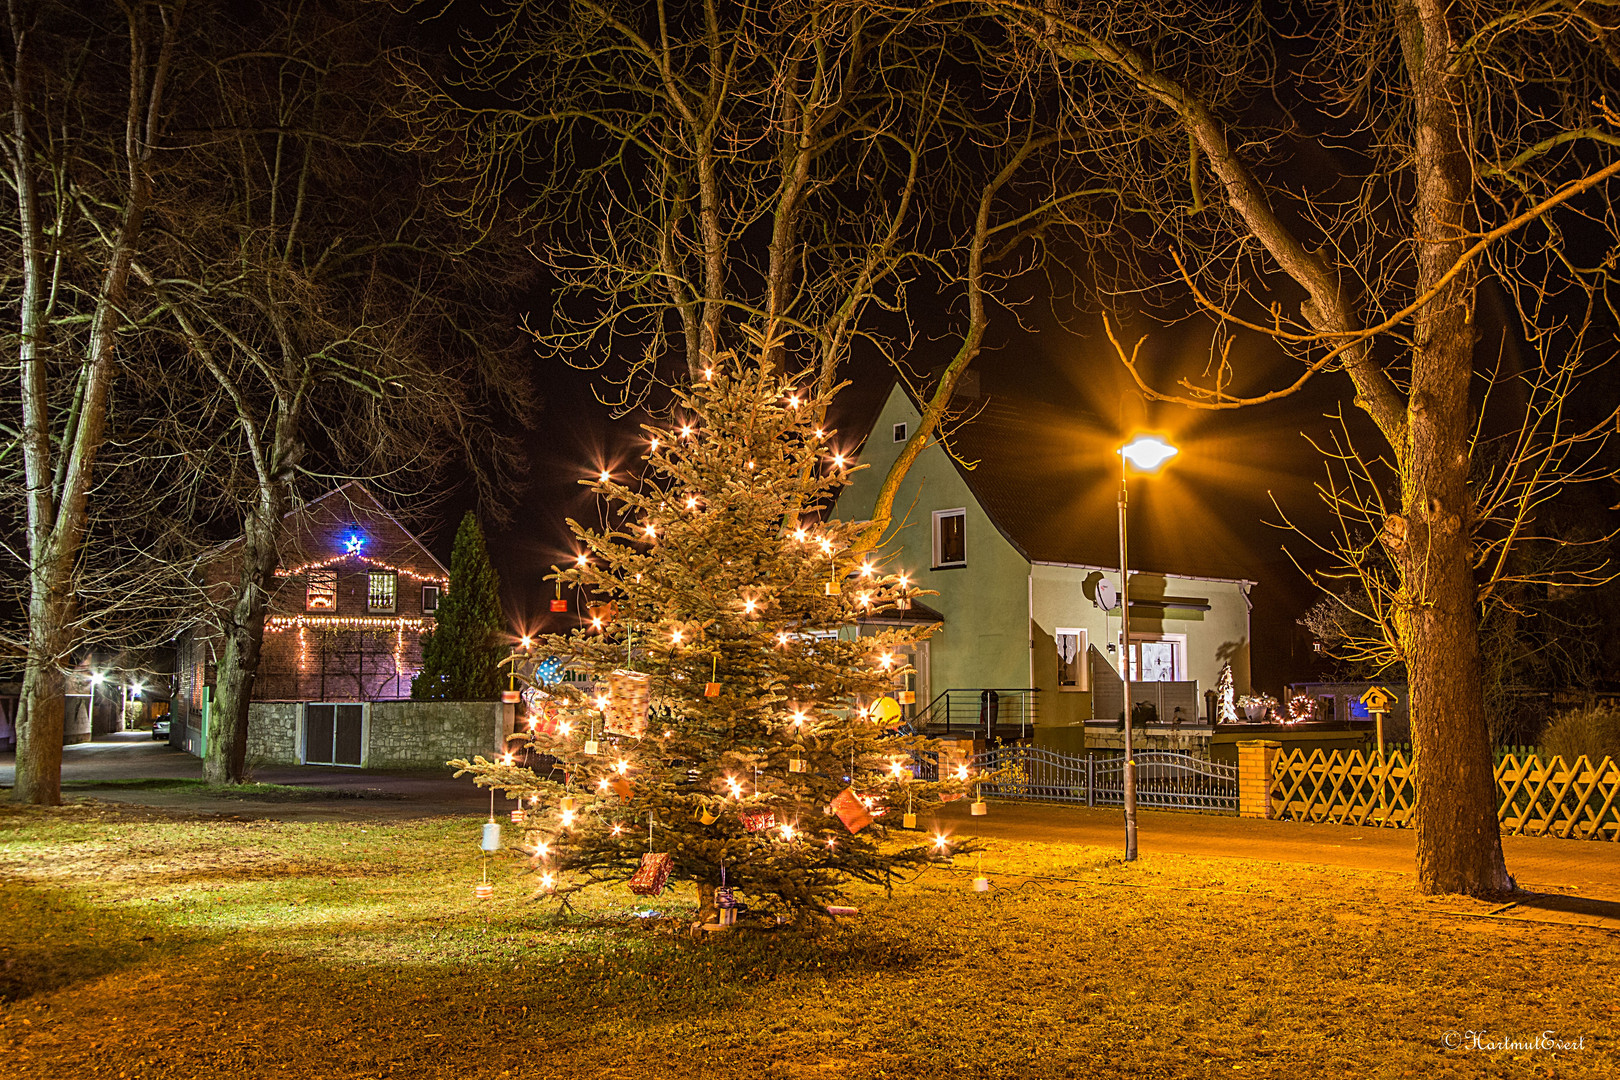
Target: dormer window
{"points": [[320, 593], [382, 592]]}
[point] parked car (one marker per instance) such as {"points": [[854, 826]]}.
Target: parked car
{"points": [[160, 728]]}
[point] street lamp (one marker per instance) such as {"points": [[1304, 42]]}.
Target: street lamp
{"points": [[1146, 453], [96, 679]]}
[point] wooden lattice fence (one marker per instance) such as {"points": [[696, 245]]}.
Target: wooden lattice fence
{"points": [[1534, 798]]}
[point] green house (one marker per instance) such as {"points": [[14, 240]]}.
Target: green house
{"points": [[1015, 527]]}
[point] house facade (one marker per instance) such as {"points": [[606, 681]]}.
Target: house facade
{"points": [[1002, 529], [353, 595]]}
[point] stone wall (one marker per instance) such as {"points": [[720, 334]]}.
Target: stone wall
{"points": [[398, 734], [272, 737], [426, 734]]}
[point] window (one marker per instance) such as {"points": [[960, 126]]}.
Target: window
{"points": [[321, 592], [1072, 668], [430, 599], [950, 538], [1159, 658], [900, 433], [381, 590]]}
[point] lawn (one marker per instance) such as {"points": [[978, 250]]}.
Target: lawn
{"points": [[138, 943]]}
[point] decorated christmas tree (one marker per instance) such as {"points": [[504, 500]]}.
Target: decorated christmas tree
{"points": [[725, 720]]}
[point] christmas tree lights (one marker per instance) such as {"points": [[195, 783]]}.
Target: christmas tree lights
{"points": [[732, 688]]}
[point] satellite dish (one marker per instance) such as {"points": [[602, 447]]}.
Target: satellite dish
{"points": [[1107, 595]]}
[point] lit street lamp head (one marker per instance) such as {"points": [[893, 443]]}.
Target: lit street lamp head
{"points": [[1146, 453]]}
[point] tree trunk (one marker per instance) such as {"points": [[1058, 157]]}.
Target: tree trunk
{"points": [[1459, 843], [39, 716], [226, 762]]}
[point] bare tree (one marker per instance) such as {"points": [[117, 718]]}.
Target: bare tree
{"points": [[805, 170], [87, 90], [1342, 180], [317, 323]]}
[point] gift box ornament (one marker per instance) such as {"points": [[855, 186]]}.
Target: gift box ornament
{"points": [[831, 588], [519, 816], [629, 693], [851, 810], [798, 764], [757, 820], [711, 689], [591, 748], [559, 605], [653, 873], [566, 804], [981, 884], [909, 821]]}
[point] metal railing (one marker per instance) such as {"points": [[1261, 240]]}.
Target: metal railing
{"points": [[989, 711], [1165, 779]]}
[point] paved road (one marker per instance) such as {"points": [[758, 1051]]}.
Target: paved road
{"points": [[1591, 868]]}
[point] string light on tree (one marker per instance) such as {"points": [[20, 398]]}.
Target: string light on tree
{"points": [[713, 640]]}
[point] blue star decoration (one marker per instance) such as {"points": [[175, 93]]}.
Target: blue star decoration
{"points": [[354, 543]]}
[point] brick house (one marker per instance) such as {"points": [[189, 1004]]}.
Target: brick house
{"points": [[353, 595]]}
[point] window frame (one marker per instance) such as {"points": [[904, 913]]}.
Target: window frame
{"points": [[328, 574], [373, 576], [438, 597], [939, 517], [1178, 660], [901, 430], [1082, 658]]}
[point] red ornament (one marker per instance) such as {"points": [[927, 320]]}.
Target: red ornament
{"points": [[851, 810], [650, 878], [559, 605], [757, 821]]}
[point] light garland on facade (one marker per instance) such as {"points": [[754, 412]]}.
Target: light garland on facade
{"points": [[322, 564], [401, 623]]}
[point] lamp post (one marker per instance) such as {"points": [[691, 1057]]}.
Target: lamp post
{"points": [[1146, 453], [96, 678]]}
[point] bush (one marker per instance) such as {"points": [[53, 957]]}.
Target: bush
{"points": [[1594, 732]]}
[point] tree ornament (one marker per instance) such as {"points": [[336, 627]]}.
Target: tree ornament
{"points": [[483, 891], [798, 764], [629, 694], [492, 836], [978, 808], [851, 810], [650, 878], [757, 820]]}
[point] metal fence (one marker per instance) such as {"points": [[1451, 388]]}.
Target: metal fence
{"points": [[1165, 779]]}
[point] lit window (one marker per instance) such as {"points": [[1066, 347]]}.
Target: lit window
{"points": [[950, 537], [430, 599], [381, 591], [1071, 658], [320, 594]]}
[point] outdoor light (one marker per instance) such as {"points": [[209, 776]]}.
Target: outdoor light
{"points": [[676, 636], [749, 606], [565, 728], [686, 431], [798, 534], [621, 766], [604, 478], [838, 461], [581, 560], [866, 569], [793, 401], [601, 702], [1146, 453], [655, 444], [97, 677], [528, 642], [691, 503]]}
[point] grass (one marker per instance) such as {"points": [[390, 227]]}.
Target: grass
{"points": [[135, 944], [253, 792]]}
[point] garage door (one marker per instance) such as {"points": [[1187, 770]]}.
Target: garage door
{"points": [[333, 734]]}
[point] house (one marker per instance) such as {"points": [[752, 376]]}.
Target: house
{"points": [[353, 595], [1016, 530]]}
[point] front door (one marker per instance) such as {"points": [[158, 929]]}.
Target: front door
{"points": [[333, 734]]}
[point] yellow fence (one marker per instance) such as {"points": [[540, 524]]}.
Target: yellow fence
{"points": [[1580, 801]]}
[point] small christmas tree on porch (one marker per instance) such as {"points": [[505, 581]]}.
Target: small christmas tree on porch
{"points": [[730, 737]]}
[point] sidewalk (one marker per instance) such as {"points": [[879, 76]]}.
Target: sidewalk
{"points": [[1590, 867]]}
